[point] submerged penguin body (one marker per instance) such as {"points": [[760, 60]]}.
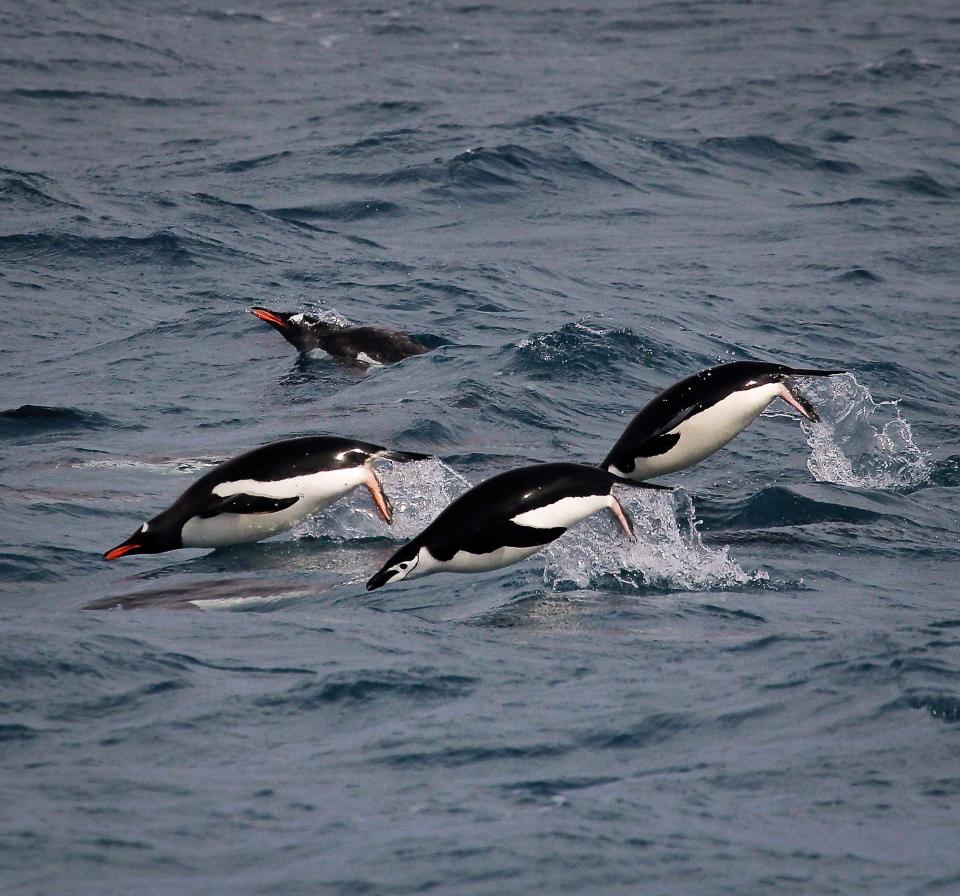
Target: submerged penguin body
{"points": [[362, 346]]}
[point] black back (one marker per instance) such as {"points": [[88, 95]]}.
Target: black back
{"points": [[647, 434], [270, 463], [479, 521], [384, 346], [342, 342]]}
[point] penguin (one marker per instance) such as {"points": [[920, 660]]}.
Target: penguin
{"points": [[358, 346], [262, 493], [699, 415], [505, 519]]}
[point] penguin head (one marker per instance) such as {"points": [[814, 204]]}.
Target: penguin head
{"points": [[304, 331], [399, 567], [151, 538]]}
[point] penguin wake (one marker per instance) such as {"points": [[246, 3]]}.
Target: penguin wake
{"points": [[861, 442]]}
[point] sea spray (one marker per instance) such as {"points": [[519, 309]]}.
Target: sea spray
{"points": [[668, 554], [418, 492], [859, 441]]}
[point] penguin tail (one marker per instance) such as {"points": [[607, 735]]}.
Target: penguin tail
{"points": [[622, 480], [799, 371], [403, 457]]}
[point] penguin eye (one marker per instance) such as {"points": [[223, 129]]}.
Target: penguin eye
{"points": [[144, 528], [403, 565]]}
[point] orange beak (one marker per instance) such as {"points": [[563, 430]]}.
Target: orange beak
{"points": [[269, 317], [121, 549]]}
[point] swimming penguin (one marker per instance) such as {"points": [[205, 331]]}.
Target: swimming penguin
{"points": [[263, 492], [361, 346], [506, 519], [699, 415]]}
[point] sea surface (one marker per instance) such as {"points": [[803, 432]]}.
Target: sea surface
{"points": [[574, 205]]}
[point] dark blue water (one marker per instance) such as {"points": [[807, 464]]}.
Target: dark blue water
{"points": [[578, 205]]}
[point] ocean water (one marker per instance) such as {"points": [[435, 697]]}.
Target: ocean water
{"points": [[576, 205]]}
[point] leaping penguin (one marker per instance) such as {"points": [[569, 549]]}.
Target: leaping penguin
{"points": [[263, 492], [505, 519], [360, 346], [700, 414]]}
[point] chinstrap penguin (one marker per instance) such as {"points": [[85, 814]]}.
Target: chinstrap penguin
{"points": [[505, 519], [699, 415], [264, 492], [361, 346]]}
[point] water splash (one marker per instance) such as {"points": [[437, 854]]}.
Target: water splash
{"points": [[859, 441], [328, 315], [666, 555], [418, 492]]}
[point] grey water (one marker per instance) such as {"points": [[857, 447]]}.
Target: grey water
{"points": [[576, 205]]}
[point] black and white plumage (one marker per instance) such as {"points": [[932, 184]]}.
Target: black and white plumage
{"points": [[699, 415], [360, 346], [504, 520], [262, 493]]}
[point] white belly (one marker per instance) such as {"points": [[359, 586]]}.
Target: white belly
{"points": [[315, 491], [563, 513], [708, 431], [560, 515]]}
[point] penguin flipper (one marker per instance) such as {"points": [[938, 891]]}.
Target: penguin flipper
{"points": [[243, 503], [657, 445]]}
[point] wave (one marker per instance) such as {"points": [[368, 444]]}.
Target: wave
{"points": [[357, 210], [161, 247], [86, 96], [363, 686], [32, 419], [922, 184], [666, 555], [240, 166], [22, 190], [859, 441], [487, 173], [777, 506], [585, 347], [903, 65], [763, 148]]}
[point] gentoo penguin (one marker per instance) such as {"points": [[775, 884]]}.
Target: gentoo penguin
{"points": [[699, 415], [506, 519], [263, 492], [351, 345]]}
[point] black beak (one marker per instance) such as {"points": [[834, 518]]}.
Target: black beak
{"points": [[796, 398], [380, 579]]}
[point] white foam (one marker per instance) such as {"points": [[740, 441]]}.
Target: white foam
{"points": [[859, 441], [665, 555]]}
